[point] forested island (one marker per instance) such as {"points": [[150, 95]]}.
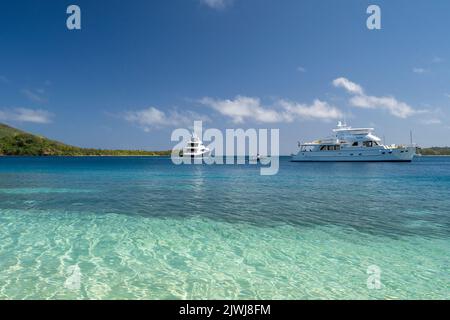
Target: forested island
{"points": [[15, 142]]}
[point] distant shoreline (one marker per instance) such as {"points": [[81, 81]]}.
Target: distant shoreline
{"points": [[84, 156], [15, 142], [147, 156], [434, 155]]}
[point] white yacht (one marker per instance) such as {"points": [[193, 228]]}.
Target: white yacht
{"points": [[195, 148], [353, 145]]}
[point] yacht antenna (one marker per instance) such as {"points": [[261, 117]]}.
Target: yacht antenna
{"points": [[411, 136]]}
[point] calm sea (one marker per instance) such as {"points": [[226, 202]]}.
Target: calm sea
{"points": [[143, 228]]}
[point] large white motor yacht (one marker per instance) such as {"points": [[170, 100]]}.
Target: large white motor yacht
{"points": [[351, 145], [195, 148]]}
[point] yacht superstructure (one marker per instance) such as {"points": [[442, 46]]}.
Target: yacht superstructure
{"points": [[195, 148], [349, 144]]}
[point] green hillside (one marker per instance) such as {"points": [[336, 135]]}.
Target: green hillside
{"points": [[435, 151], [8, 131], [14, 142]]}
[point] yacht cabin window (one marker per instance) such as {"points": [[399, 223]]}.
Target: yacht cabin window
{"points": [[330, 148]]}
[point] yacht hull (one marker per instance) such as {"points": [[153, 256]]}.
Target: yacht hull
{"points": [[196, 155], [379, 155]]}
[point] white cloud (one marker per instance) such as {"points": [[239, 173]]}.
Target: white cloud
{"points": [[351, 87], [35, 95], [242, 108], [420, 70], [217, 4], [361, 100], [247, 108], [152, 117], [26, 115], [431, 121], [437, 59], [395, 107], [301, 69], [317, 110]]}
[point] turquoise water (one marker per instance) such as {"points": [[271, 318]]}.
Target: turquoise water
{"points": [[143, 228]]}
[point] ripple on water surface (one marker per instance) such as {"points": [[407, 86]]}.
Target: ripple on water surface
{"points": [[144, 228], [122, 256]]}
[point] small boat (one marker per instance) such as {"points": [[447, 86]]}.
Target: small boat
{"points": [[257, 158], [195, 148], [349, 144]]}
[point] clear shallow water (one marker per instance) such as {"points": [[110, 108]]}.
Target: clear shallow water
{"points": [[146, 229]]}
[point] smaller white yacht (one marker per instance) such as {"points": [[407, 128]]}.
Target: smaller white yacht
{"points": [[195, 148], [353, 145]]}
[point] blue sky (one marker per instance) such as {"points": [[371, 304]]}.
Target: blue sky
{"points": [[139, 69]]}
